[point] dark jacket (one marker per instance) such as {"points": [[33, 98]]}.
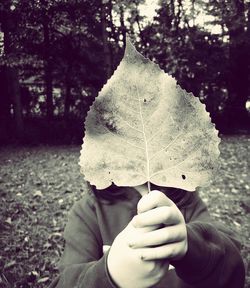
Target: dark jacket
{"points": [[212, 260]]}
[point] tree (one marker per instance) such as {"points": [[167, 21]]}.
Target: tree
{"points": [[63, 39], [11, 92], [105, 39], [238, 66], [231, 16]]}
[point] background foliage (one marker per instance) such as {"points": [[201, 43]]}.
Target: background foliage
{"points": [[56, 55]]}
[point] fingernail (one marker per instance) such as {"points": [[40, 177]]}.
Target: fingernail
{"points": [[131, 244], [134, 220], [142, 257]]}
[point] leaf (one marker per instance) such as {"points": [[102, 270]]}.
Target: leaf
{"points": [[60, 201], [143, 127], [43, 280], [38, 193], [8, 220], [10, 264]]}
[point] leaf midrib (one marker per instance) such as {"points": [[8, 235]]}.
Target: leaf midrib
{"points": [[144, 136]]}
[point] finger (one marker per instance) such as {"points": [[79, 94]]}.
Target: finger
{"points": [[131, 227], [152, 200], [160, 215], [166, 235], [168, 251]]}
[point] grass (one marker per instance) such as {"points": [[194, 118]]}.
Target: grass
{"points": [[38, 185]]}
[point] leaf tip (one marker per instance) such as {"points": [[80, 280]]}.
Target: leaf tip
{"points": [[129, 46]]}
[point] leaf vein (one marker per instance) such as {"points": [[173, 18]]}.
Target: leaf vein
{"points": [[173, 166], [144, 136], [131, 126], [167, 146], [133, 145]]}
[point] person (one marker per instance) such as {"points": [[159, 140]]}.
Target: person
{"points": [[126, 237]]}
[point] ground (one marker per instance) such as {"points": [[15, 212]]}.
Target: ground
{"points": [[38, 185]]}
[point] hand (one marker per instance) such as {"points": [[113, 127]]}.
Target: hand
{"points": [[125, 265], [169, 241]]}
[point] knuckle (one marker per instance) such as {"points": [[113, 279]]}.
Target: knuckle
{"points": [[159, 195], [181, 217], [157, 253], [140, 205], [161, 252], [165, 213], [156, 195], [136, 221], [166, 237], [183, 235], [182, 232], [172, 252], [139, 222], [179, 235], [138, 243]]}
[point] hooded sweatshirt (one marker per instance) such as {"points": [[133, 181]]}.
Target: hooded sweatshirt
{"points": [[212, 261]]}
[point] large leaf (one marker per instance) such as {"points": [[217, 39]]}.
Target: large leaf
{"points": [[143, 127]]}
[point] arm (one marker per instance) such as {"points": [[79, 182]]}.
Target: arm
{"points": [[83, 263], [213, 258], [204, 254]]}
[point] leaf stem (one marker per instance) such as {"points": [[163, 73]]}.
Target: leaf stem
{"points": [[149, 186]]}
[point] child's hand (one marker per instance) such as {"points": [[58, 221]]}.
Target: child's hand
{"points": [[125, 265], [167, 242]]}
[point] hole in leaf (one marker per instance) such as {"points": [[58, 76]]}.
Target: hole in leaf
{"points": [[183, 177]]}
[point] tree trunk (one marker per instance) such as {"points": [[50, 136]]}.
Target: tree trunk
{"points": [[49, 89], [112, 26], [122, 25], [141, 32], [48, 71], [14, 92], [4, 98], [13, 87], [67, 99], [106, 49]]}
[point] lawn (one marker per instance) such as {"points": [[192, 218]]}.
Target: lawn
{"points": [[38, 185]]}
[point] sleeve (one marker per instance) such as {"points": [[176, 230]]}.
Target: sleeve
{"points": [[213, 258], [83, 263]]}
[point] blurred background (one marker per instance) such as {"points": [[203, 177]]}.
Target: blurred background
{"points": [[56, 55], [54, 58]]}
